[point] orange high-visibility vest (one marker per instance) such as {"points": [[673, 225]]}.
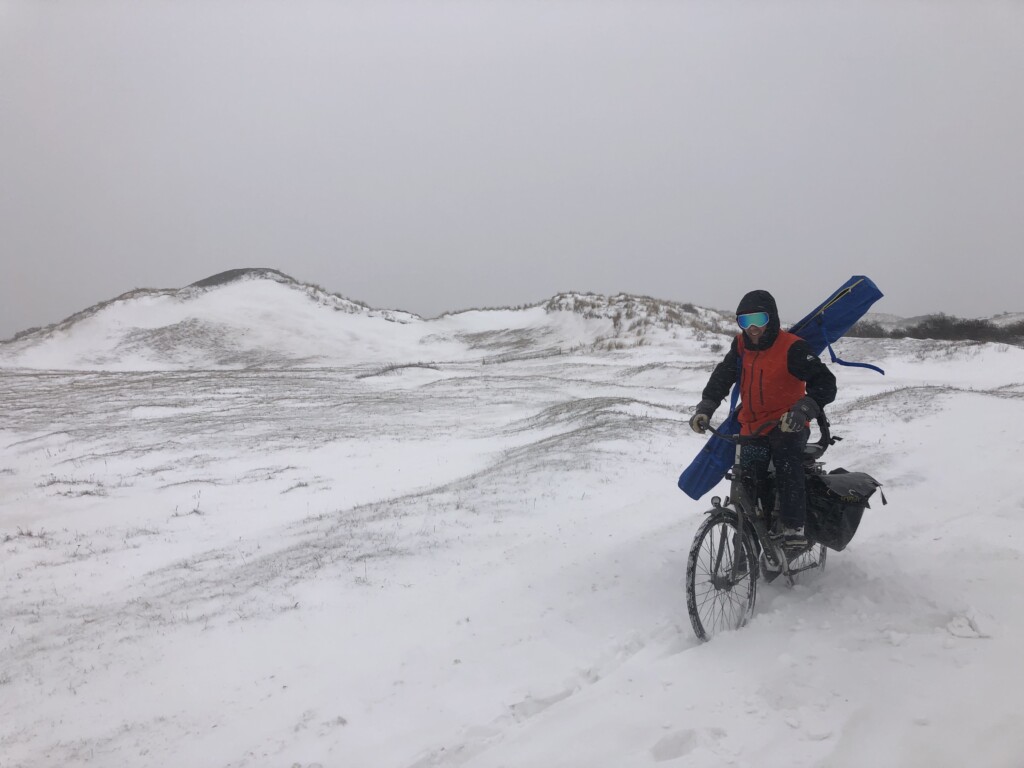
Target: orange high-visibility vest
{"points": [[767, 388]]}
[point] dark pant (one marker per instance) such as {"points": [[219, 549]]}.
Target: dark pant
{"points": [[786, 450]]}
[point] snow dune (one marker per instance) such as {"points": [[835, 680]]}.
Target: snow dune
{"points": [[264, 319]]}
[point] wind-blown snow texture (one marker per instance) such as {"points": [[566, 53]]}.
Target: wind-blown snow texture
{"points": [[311, 554]]}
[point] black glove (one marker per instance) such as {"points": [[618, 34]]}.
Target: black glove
{"points": [[701, 419], [796, 418]]}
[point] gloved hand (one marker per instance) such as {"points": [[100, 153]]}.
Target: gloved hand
{"points": [[701, 419], [796, 418], [700, 422]]}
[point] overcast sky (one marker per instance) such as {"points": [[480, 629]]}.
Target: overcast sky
{"points": [[431, 156]]}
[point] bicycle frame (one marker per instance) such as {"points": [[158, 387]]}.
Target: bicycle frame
{"points": [[750, 516]]}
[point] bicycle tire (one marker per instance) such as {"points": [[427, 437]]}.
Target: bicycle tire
{"points": [[716, 601], [813, 560]]}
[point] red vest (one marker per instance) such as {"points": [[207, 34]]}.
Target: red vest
{"points": [[767, 388]]}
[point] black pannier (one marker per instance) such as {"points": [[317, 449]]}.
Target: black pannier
{"points": [[835, 504]]}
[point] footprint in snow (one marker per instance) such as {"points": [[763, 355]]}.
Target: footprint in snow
{"points": [[530, 706], [968, 626], [683, 742]]}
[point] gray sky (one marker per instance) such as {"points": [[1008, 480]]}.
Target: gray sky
{"points": [[430, 156]]}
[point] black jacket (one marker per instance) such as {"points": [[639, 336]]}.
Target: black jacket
{"points": [[801, 362]]}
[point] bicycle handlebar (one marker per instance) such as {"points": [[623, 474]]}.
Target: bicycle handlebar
{"points": [[744, 438], [825, 440]]}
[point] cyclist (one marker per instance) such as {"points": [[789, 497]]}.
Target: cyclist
{"points": [[780, 380]]}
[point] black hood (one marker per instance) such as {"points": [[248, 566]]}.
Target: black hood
{"points": [[761, 301]]}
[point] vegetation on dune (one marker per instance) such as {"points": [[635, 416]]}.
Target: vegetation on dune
{"points": [[947, 328]]}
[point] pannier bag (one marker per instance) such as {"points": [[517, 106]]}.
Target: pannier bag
{"points": [[835, 504]]}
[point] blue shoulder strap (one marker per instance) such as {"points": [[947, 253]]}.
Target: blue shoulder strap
{"points": [[835, 359]]}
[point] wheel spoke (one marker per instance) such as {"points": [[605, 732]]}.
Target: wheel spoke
{"points": [[812, 559]]}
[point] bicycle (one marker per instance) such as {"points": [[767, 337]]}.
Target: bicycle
{"points": [[741, 540]]}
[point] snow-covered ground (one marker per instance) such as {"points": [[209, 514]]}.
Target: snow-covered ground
{"points": [[480, 562]]}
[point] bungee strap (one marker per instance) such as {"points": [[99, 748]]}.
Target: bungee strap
{"points": [[835, 358]]}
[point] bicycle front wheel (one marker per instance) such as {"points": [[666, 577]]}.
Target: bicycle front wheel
{"points": [[721, 576]]}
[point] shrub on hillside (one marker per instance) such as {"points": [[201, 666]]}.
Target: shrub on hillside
{"points": [[867, 330], [946, 328]]}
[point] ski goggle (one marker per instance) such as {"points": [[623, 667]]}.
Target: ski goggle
{"points": [[760, 319]]}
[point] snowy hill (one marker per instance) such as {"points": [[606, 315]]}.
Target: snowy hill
{"points": [[245, 318], [260, 318], [1007, 318]]}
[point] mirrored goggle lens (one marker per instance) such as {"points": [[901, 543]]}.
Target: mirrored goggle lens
{"points": [[760, 319]]}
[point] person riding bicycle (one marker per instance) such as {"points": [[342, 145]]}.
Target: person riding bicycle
{"points": [[781, 381]]}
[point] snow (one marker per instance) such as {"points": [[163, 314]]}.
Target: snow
{"points": [[481, 563], [1007, 318]]}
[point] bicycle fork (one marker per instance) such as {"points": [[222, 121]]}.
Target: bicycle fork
{"points": [[730, 576]]}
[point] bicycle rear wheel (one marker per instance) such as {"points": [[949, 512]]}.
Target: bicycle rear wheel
{"points": [[721, 576], [810, 561]]}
